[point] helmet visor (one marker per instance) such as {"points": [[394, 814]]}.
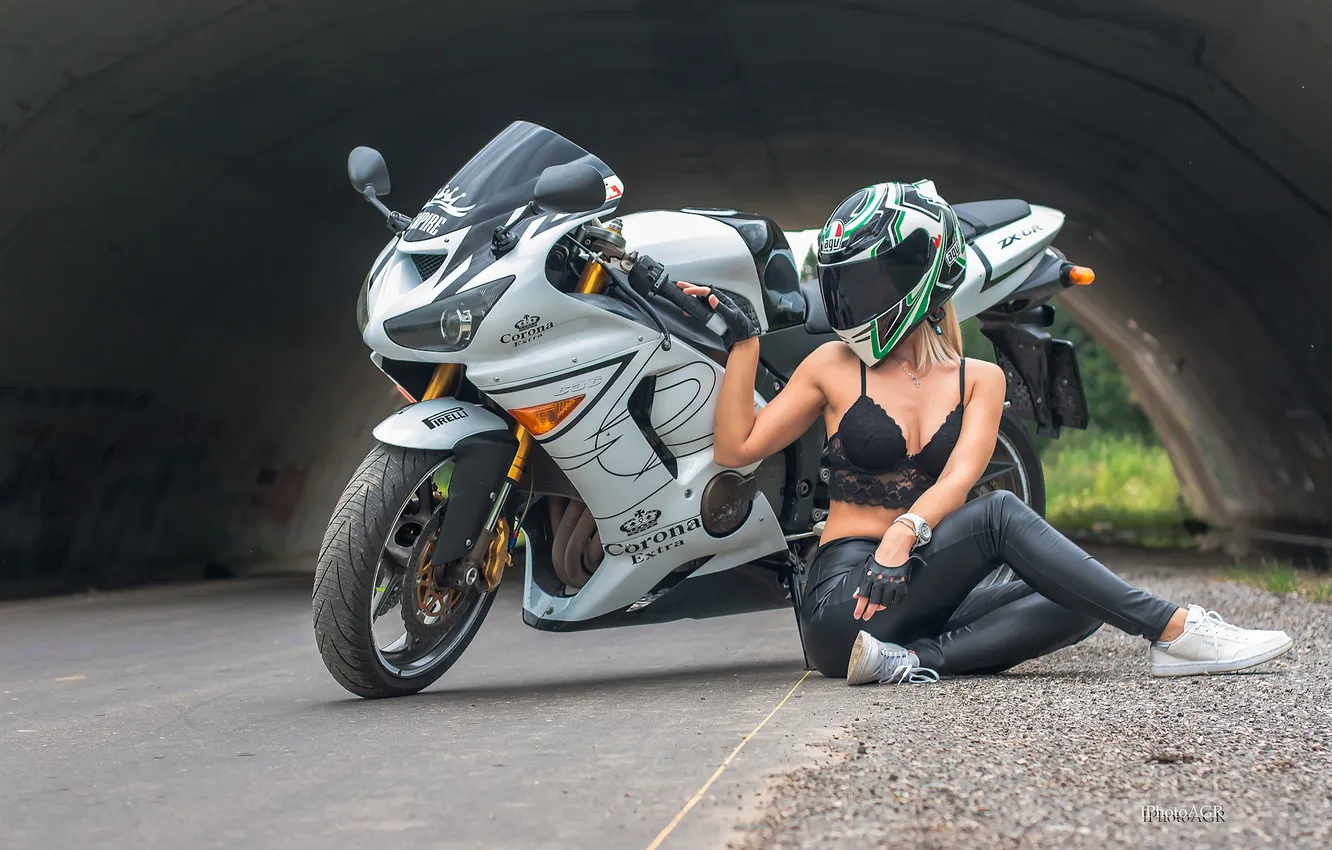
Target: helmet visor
{"points": [[855, 293]]}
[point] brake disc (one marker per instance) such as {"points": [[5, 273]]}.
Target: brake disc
{"points": [[427, 607]]}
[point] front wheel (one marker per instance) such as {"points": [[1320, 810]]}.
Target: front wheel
{"points": [[383, 626]]}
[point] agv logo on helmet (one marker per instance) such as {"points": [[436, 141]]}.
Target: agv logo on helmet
{"points": [[835, 238]]}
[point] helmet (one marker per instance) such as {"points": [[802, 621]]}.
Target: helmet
{"points": [[890, 257]]}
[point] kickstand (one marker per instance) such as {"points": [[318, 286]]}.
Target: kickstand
{"points": [[795, 585]]}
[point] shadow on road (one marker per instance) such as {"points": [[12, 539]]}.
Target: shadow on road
{"points": [[701, 677]]}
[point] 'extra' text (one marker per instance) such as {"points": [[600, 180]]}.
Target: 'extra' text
{"points": [[646, 548], [526, 329]]}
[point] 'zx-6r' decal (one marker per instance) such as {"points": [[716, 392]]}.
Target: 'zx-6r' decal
{"points": [[1017, 237]]}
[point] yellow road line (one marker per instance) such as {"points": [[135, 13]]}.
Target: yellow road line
{"points": [[698, 795]]}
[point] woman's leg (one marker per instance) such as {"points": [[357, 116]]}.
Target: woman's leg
{"points": [[999, 528], [829, 627], [968, 544], [999, 627]]}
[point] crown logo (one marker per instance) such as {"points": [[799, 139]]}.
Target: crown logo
{"points": [[641, 521], [449, 200], [527, 322]]}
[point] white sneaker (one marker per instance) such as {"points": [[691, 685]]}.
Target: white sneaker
{"points": [[1211, 645], [872, 660]]}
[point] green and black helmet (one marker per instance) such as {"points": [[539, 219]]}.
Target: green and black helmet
{"points": [[890, 257]]}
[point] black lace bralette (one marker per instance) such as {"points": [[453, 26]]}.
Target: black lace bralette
{"points": [[868, 455]]}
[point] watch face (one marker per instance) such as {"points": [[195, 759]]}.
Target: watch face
{"points": [[922, 528]]}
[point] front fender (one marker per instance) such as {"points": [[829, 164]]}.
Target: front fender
{"points": [[483, 449], [437, 425]]}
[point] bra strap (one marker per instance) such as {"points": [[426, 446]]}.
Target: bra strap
{"points": [[862, 377], [962, 383]]}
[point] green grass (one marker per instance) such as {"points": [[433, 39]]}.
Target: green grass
{"points": [[1283, 577], [1113, 487]]}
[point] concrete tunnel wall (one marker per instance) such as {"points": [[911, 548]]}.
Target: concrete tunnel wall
{"points": [[183, 382]]}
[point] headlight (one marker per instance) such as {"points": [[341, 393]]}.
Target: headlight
{"points": [[456, 326], [447, 325]]}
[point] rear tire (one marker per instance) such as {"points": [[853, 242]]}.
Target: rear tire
{"points": [[355, 561], [1015, 441], [1015, 447]]}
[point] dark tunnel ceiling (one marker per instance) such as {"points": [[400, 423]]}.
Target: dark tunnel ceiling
{"points": [[181, 249]]}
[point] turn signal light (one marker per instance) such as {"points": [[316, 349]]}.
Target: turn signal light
{"points": [[541, 418], [1081, 275]]}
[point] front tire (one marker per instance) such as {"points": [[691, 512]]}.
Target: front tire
{"points": [[377, 541]]}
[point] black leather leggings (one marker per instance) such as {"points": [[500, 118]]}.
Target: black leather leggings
{"points": [[1064, 595]]}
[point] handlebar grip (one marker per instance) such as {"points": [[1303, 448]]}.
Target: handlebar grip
{"points": [[664, 287]]}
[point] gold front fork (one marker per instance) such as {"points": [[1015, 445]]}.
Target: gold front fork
{"points": [[443, 382], [490, 554], [593, 279]]}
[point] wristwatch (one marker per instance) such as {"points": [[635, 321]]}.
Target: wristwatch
{"points": [[919, 526]]}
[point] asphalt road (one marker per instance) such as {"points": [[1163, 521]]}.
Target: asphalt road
{"points": [[201, 716]]}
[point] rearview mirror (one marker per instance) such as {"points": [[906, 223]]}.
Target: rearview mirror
{"points": [[570, 188], [366, 168]]}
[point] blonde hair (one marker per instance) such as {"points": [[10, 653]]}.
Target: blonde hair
{"points": [[936, 348]]}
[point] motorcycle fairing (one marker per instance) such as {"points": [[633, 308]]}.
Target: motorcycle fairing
{"points": [[615, 468]]}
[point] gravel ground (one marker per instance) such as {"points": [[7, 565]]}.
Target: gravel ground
{"points": [[1066, 751]]}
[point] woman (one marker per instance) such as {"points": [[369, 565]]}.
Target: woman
{"points": [[914, 425]]}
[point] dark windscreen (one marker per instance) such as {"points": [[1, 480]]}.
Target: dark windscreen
{"points": [[498, 180]]}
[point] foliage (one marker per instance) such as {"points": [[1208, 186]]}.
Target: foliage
{"points": [[1283, 577], [1111, 402], [1113, 481], [1113, 486]]}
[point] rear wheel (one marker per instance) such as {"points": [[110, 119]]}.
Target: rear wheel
{"points": [[1014, 466], [383, 626]]}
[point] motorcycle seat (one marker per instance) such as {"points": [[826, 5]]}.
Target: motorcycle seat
{"points": [[978, 217]]}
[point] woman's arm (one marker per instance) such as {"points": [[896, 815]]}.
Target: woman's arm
{"points": [[975, 447], [741, 436]]}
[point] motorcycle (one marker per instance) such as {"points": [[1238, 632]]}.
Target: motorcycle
{"points": [[550, 399]]}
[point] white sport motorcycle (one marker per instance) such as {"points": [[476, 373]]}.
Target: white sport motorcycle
{"points": [[549, 398]]}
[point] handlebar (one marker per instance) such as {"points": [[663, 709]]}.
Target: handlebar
{"points": [[664, 287]]}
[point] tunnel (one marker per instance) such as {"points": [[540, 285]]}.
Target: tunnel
{"points": [[184, 387]]}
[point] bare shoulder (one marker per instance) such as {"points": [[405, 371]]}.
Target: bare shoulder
{"points": [[831, 352], [984, 375], [828, 358]]}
